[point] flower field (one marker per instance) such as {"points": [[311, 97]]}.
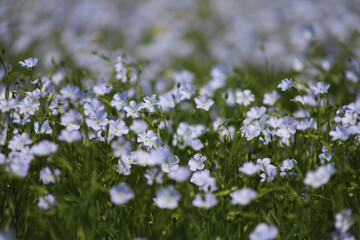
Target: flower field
{"points": [[171, 146]]}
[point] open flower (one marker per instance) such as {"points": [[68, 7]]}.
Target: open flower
{"points": [[250, 169], [167, 197], [319, 177], [286, 84], [207, 203], [47, 176], [244, 97], [243, 196], [121, 194], [320, 88], [203, 102], [29, 63]]}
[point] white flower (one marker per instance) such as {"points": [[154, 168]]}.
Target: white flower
{"points": [[286, 84], [344, 220], [69, 136], [121, 147], [244, 97], [320, 88], [207, 203], [203, 102], [118, 128], [243, 197], [270, 98], [44, 148], [133, 109], [150, 103], [119, 100], [264, 231], [288, 165], [170, 164], [149, 138], [268, 169], [319, 177], [29, 63], [167, 197], [167, 101], [197, 162], [340, 133], [124, 166], [181, 174], [19, 141], [121, 194], [250, 169], [47, 176], [251, 131], [204, 181]]}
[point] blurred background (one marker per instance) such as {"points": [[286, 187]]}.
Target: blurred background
{"points": [[182, 34]]}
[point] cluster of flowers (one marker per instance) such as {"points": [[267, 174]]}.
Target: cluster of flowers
{"points": [[146, 149], [286, 36]]}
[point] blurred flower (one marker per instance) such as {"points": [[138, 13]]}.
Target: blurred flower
{"points": [[121, 194], [340, 133], [319, 177], [47, 176], [118, 128], [45, 128], [270, 98], [167, 197], [72, 119], [286, 84], [121, 147], [69, 136], [29, 63], [28, 105], [124, 166], [203, 102], [120, 100], [264, 231], [44, 148], [243, 196], [244, 97], [92, 105], [320, 88], [207, 203], [154, 175], [170, 164], [344, 220], [47, 201], [204, 181], [181, 174], [167, 101], [139, 126], [249, 168], [325, 155], [19, 141]]}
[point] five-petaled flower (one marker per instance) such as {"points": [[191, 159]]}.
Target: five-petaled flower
{"points": [[29, 63]]}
